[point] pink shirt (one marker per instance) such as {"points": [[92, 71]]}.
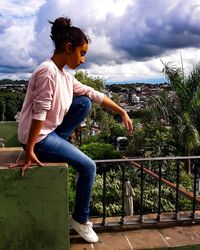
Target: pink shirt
{"points": [[48, 98]]}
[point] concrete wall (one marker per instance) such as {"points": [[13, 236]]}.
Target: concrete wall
{"points": [[34, 209]]}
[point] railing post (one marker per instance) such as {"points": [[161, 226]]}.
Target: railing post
{"points": [[159, 177], [159, 192], [141, 218], [177, 217], [196, 163], [104, 196], [122, 221]]}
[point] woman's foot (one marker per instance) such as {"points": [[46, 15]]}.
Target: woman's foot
{"points": [[84, 230]]}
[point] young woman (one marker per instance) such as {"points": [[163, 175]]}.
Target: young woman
{"points": [[55, 104]]}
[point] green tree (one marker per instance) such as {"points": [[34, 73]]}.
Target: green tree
{"points": [[95, 83], [2, 108], [10, 104], [97, 151], [103, 118], [179, 107]]}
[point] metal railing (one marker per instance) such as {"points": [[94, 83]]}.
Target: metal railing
{"points": [[157, 174]]}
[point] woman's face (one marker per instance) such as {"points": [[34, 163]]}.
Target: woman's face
{"points": [[77, 56]]}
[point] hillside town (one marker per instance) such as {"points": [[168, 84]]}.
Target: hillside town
{"points": [[137, 96], [132, 97]]}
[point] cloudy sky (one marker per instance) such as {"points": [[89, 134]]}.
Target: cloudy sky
{"points": [[129, 38]]}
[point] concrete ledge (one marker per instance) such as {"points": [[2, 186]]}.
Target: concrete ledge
{"points": [[33, 208]]}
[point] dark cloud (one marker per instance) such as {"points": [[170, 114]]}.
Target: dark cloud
{"points": [[151, 28], [13, 69], [147, 30]]}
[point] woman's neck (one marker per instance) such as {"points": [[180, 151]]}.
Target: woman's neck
{"points": [[58, 61]]}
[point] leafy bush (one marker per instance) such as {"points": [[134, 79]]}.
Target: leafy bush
{"points": [[97, 151], [113, 195]]}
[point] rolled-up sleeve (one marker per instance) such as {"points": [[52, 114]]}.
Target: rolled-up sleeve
{"points": [[42, 97], [81, 89]]}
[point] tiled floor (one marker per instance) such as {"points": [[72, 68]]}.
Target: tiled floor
{"points": [[142, 239]]}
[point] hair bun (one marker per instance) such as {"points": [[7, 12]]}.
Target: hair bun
{"points": [[59, 26], [62, 21], [63, 32]]}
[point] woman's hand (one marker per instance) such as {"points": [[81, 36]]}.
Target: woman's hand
{"points": [[31, 159], [128, 122], [110, 105]]}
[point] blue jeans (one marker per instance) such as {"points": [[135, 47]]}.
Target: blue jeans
{"points": [[56, 148]]}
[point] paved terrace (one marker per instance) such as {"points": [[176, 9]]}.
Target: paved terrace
{"points": [[157, 236], [146, 235]]}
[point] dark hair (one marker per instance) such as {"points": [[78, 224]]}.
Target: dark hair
{"points": [[62, 32]]}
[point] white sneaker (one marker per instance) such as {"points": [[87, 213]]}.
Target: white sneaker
{"points": [[84, 230]]}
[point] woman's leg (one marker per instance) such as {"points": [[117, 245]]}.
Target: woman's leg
{"points": [[80, 107], [55, 149]]}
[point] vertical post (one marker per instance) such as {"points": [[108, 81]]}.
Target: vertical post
{"points": [[123, 181], [104, 196], [159, 191], [196, 163], [177, 217], [141, 219]]}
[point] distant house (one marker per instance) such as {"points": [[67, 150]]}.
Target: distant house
{"points": [[135, 98]]}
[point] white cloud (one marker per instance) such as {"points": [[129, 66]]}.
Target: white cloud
{"points": [[16, 34], [19, 8], [129, 37], [129, 70], [15, 46]]}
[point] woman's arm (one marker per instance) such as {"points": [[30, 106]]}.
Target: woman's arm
{"points": [[112, 106], [34, 131]]}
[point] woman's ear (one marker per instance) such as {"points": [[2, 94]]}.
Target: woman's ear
{"points": [[68, 48]]}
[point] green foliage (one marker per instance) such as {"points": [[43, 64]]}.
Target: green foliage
{"points": [[151, 140], [71, 187], [16, 82], [161, 144], [144, 115], [186, 181], [102, 117], [95, 83], [150, 198], [8, 131], [10, 104], [180, 108], [136, 143], [113, 194], [188, 136], [118, 130], [2, 108], [97, 150]]}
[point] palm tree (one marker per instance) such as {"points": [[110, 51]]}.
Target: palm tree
{"points": [[179, 110]]}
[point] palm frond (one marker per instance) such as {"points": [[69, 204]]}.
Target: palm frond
{"points": [[188, 135]]}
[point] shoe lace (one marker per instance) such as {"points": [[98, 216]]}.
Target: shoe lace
{"points": [[88, 227]]}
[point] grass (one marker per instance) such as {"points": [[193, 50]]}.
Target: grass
{"points": [[8, 131]]}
